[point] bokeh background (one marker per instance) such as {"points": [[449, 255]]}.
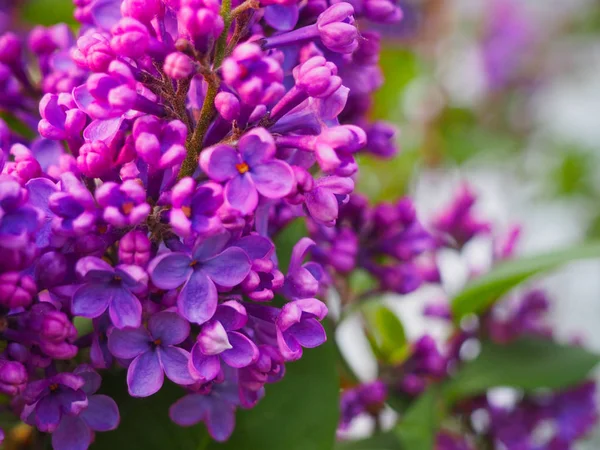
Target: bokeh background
{"points": [[502, 94]]}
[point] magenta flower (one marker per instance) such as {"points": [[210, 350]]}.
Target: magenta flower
{"points": [[154, 353], [219, 339], [115, 289], [211, 263], [251, 172]]}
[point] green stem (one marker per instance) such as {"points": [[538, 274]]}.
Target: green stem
{"points": [[222, 42]]}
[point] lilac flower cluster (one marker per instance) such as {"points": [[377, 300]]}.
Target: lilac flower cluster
{"points": [[543, 420], [172, 139]]}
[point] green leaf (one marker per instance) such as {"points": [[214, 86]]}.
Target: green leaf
{"points": [[300, 412], [418, 427], [529, 364], [482, 292], [48, 12], [382, 441], [385, 333], [145, 422]]}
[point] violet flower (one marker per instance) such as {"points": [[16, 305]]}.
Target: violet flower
{"points": [[251, 172], [211, 263], [154, 353], [219, 339], [124, 204], [298, 326], [115, 289], [194, 207]]}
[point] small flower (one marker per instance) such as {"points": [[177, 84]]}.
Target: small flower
{"points": [[215, 408], [124, 204], [219, 339], [211, 263], [298, 326], [113, 288], [251, 172], [194, 208], [154, 353]]}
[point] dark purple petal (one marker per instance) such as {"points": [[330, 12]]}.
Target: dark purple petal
{"points": [[47, 413], [169, 327], [175, 362], [282, 17], [243, 352], [229, 268], [189, 410], [145, 375], [102, 413], [71, 434], [197, 300], [211, 246], [128, 343], [220, 420], [170, 270]]}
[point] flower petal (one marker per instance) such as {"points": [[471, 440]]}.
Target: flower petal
{"points": [[175, 362], [145, 375], [91, 300], [257, 146], [125, 309], [241, 194], [219, 162], [309, 333], [197, 300], [170, 270], [228, 268], [274, 179], [232, 315], [128, 343], [205, 367], [220, 420], [102, 413], [243, 353], [72, 434], [169, 327], [189, 410]]}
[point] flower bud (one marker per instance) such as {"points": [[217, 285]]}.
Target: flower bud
{"points": [[10, 49], [142, 10], [51, 269], [228, 106], [134, 248], [336, 28], [95, 159], [13, 377], [317, 77], [130, 38], [16, 290], [178, 66]]}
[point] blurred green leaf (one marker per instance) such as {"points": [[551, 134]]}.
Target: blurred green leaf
{"points": [[382, 441], [418, 427], [300, 412], [48, 12], [529, 364], [286, 239], [574, 175], [145, 422], [400, 67], [482, 292], [385, 333]]}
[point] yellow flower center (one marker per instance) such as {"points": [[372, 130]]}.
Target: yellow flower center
{"points": [[242, 168]]}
